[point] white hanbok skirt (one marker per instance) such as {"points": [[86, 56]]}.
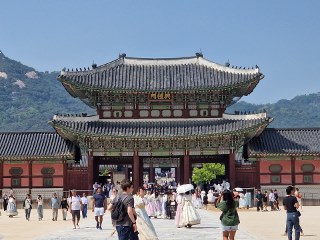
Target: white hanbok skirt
{"points": [[190, 214], [145, 227]]}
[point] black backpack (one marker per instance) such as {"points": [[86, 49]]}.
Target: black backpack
{"points": [[119, 210]]}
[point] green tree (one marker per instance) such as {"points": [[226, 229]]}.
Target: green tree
{"points": [[207, 173]]}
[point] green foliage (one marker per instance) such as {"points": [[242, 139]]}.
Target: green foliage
{"points": [[31, 107], [207, 173]]}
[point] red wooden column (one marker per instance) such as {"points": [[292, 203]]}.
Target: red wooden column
{"points": [[293, 171], [151, 172], [90, 170], [65, 175], [30, 174], [186, 167], [232, 169], [136, 171], [1, 174], [257, 183]]}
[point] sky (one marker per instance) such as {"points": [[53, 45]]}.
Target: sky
{"points": [[281, 37]]}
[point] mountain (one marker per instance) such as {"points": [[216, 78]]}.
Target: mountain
{"points": [[301, 111], [29, 99]]}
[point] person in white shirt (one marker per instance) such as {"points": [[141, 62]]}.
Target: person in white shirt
{"points": [[75, 205], [84, 201], [271, 200]]}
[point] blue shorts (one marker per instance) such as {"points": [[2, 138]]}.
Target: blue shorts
{"points": [[229, 228]]}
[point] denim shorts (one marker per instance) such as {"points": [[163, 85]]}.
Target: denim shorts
{"points": [[229, 228]]}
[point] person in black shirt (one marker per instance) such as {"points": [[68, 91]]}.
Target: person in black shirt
{"points": [[259, 200], [290, 203]]}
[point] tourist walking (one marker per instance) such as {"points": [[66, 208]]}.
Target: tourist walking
{"points": [[276, 199], [258, 199], [75, 206], [229, 217], [5, 202], [27, 205], [271, 200], [64, 207], [144, 225], [12, 208], [127, 226], [290, 204], [54, 207], [99, 207], [265, 201], [84, 201], [205, 201], [189, 213], [40, 207]]}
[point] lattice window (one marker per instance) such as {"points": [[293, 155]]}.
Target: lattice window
{"points": [[276, 179], [48, 182], [15, 182], [307, 179]]}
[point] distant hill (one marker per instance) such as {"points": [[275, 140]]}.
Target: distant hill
{"points": [[301, 111], [29, 99]]}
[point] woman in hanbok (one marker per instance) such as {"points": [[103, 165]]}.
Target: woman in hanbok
{"points": [[144, 225], [150, 206], [189, 213], [210, 196], [242, 201], [179, 215], [164, 203], [12, 208]]}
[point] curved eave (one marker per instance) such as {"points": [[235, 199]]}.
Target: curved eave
{"points": [[74, 87], [72, 134], [38, 158], [282, 154]]}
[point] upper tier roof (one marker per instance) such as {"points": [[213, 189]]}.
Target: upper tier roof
{"points": [[161, 74], [285, 142], [159, 128], [35, 145]]}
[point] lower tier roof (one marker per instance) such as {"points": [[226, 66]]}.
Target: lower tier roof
{"points": [[35, 145], [285, 142], [159, 128]]}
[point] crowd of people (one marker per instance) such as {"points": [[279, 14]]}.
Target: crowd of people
{"points": [[132, 221]]}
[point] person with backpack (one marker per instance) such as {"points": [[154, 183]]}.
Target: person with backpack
{"points": [[123, 213]]}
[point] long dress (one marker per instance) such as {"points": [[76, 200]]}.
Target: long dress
{"points": [[145, 227], [12, 209], [179, 211], [189, 213], [210, 196], [242, 201], [150, 206]]}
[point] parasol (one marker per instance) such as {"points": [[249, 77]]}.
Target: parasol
{"points": [[185, 188]]}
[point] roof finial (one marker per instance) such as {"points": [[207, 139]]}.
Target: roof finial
{"points": [[94, 65], [122, 55], [227, 63], [199, 54]]}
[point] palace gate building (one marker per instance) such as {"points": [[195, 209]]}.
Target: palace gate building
{"points": [[159, 116]]}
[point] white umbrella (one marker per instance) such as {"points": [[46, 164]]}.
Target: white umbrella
{"points": [[239, 189], [185, 188]]}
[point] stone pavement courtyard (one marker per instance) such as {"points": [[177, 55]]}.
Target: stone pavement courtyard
{"points": [[254, 225]]}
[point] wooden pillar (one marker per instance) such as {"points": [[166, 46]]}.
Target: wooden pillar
{"points": [[232, 169], [1, 175], [90, 170], [293, 171], [257, 182], [65, 175], [186, 168], [30, 175], [180, 179], [95, 170], [136, 171], [151, 174]]}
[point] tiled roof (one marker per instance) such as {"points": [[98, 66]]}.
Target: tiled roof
{"points": [[156, 74], [156, 127], [286, 141], [34, 144]]}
